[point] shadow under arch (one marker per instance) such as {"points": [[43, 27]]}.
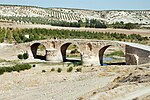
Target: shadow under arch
{"points": [[64, 54], [101, 54], [34, 49]]}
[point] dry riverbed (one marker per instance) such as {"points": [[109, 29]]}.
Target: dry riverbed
{"points": [[92, 83]]}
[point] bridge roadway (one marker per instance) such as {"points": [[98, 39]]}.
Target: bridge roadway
{"points": [[136, 45]]}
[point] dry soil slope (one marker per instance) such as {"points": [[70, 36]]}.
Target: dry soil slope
{"points": [[73, 15]]}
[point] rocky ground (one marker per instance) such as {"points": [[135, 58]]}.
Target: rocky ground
{"points": [[92, 83]]}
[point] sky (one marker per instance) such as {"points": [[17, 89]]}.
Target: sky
{"points": [[85, 4]]}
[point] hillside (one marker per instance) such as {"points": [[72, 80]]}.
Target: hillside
{"points": [[29, 14]]}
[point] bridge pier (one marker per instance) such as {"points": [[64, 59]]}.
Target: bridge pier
{"points": [[52, 55], [90, 60]]}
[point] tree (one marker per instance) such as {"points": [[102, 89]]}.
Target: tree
{"points": [[129, 26]]}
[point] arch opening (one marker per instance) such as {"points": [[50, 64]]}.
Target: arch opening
{"points": [[111, 55], [71, 53], [38, 51]]}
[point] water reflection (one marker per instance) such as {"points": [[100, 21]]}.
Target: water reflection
{"points": [[112, 61]]}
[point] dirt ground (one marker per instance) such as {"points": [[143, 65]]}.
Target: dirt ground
{"points": [[92, 83], [143, 32]]}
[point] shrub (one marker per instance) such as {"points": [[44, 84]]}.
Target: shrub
{"points": [[59, 70], [53, 69], [74, 51], [18, 68], [2, 70], [20, 56], [8, 69], [25, 55], [78, 69], [94, 93], [70, 69], [43, 71]]}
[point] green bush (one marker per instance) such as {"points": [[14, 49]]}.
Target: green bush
{"points": [[8, 69], [78, 69], [2, 70], [70, 69], [25, 55], [18, 68], [20, 56], [59, 70], [53, 69]]}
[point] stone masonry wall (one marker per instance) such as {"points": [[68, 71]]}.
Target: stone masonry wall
{"points": [[136, 56]]}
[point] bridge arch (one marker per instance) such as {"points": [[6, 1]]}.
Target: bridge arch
{"points": [[101, 53], [64, 48], [103, 49], [34, 50]]}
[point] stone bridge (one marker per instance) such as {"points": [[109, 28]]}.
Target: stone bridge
{"points": [[91, 51]]}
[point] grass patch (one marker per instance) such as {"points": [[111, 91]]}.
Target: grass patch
{"points": [[115, 53], [77, 63], [18, 68], [2, 60], [46, 63]]}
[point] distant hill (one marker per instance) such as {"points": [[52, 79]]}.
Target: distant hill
{"points": [[32, 14]]}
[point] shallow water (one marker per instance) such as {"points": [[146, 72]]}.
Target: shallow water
{"points": [[111, 59], [108, 59]]}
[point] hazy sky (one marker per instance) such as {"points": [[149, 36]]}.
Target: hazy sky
{"points": [[86, 4]]}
